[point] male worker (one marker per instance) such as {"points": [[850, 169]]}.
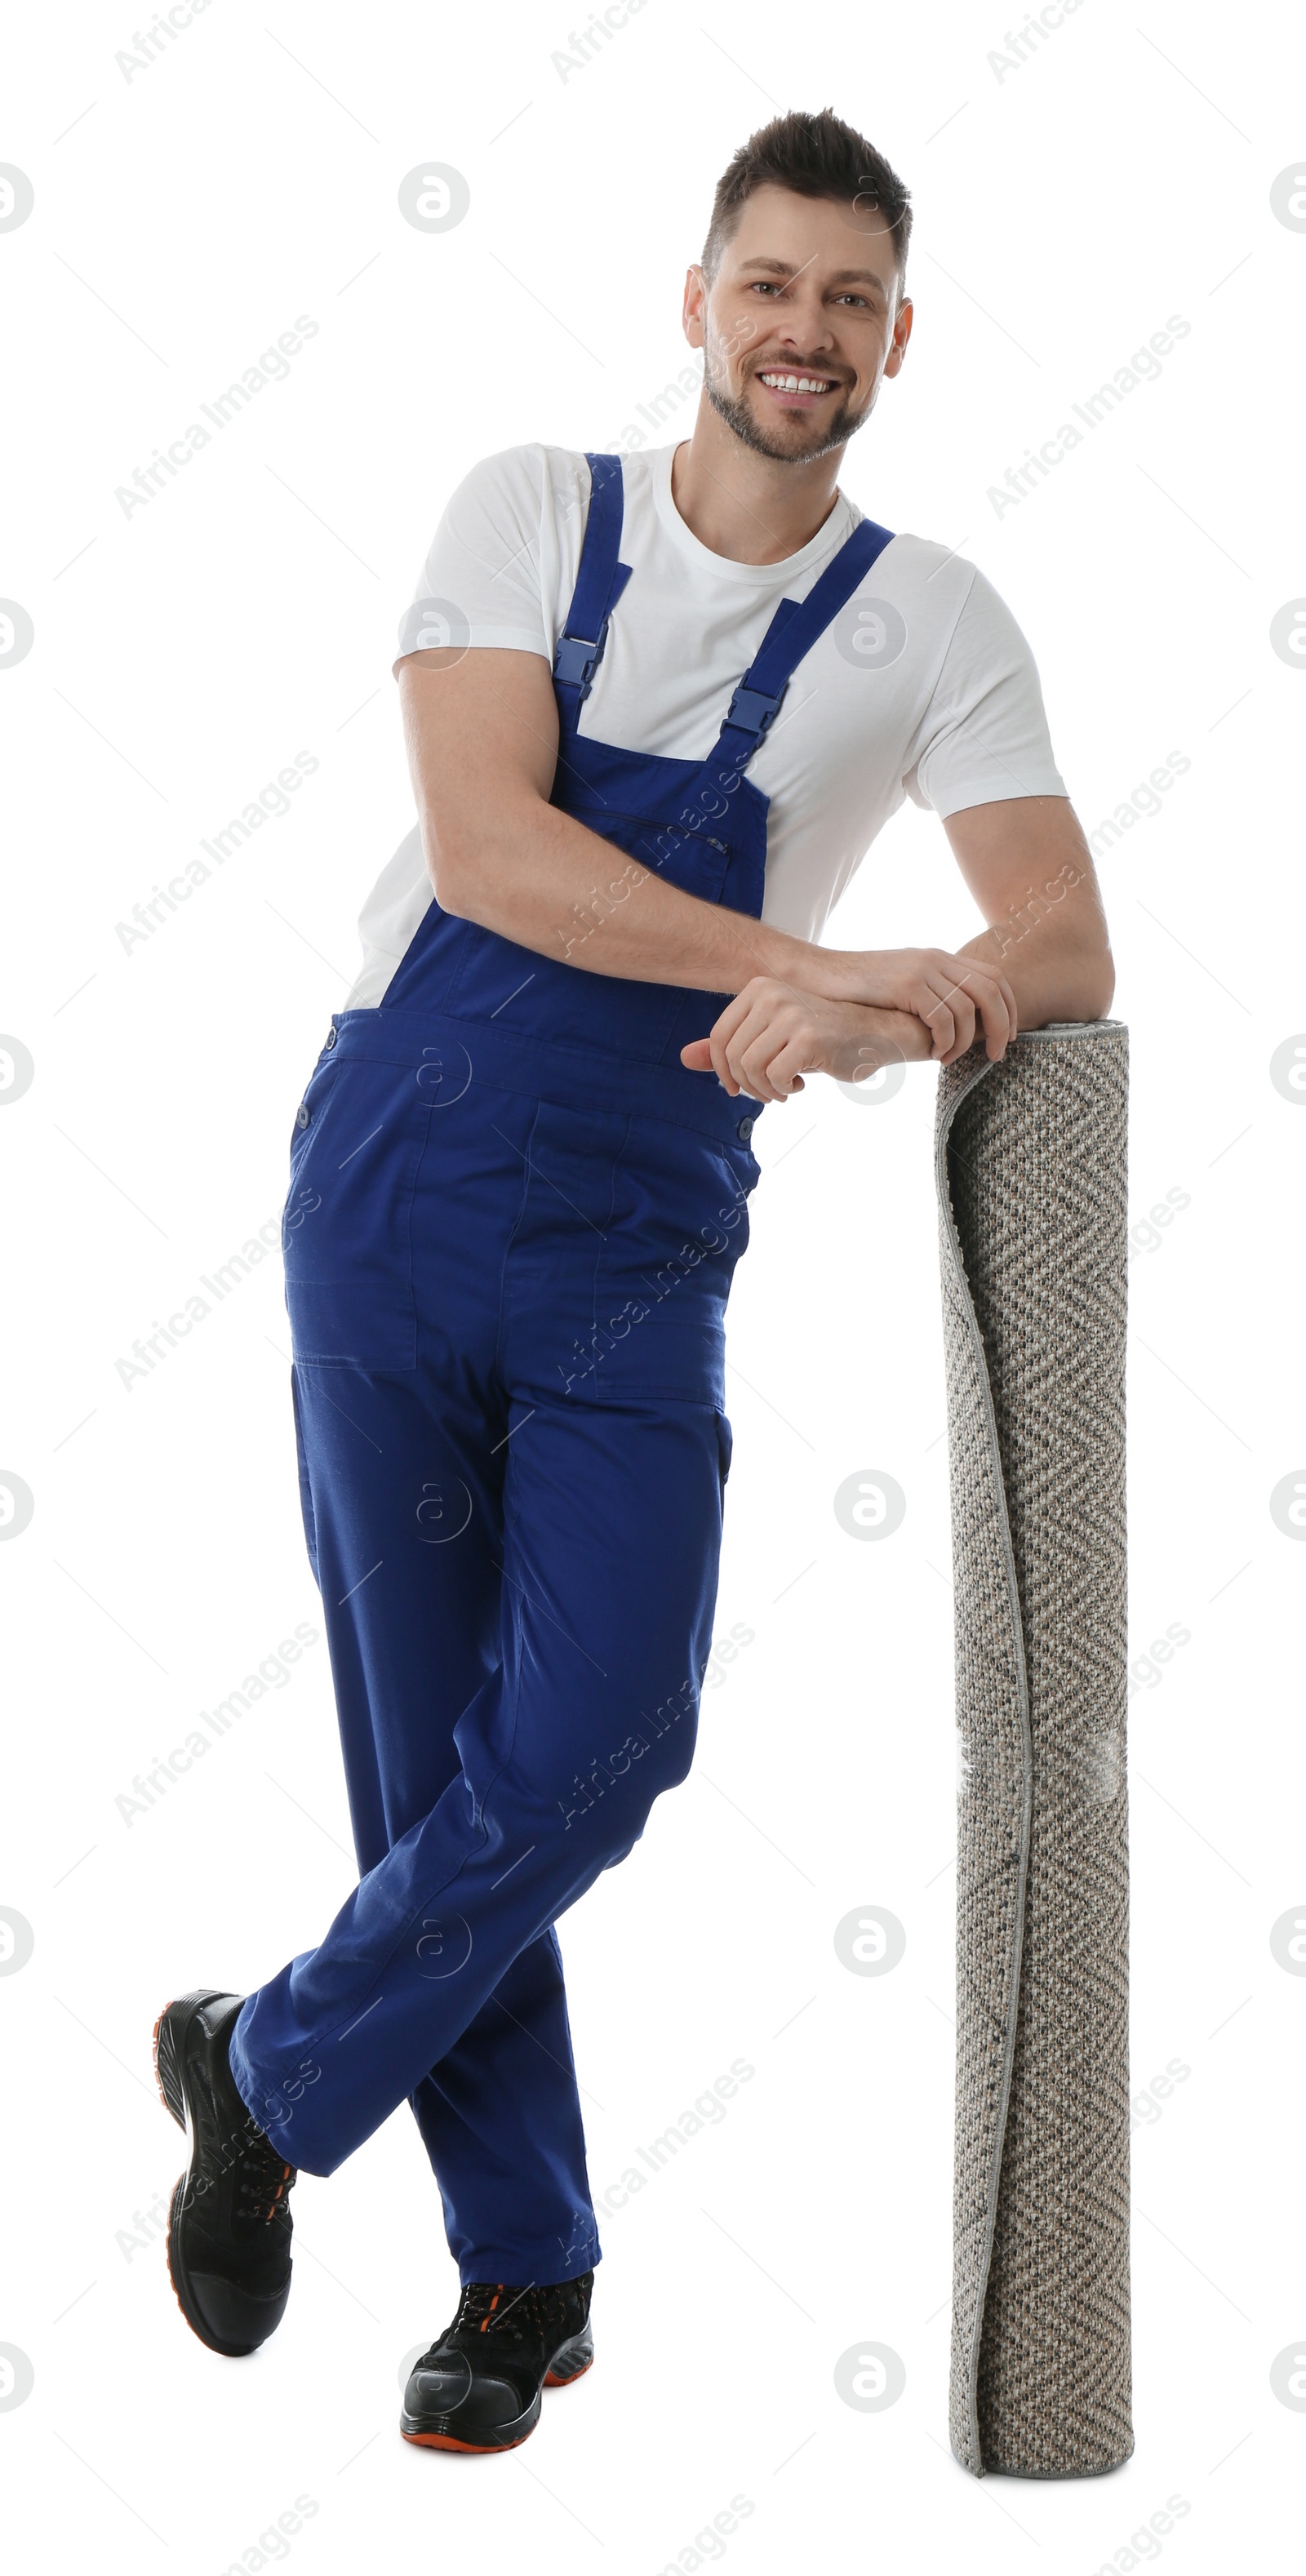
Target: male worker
{"points": [[657, 707]]}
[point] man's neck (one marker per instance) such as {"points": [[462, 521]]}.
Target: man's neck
{"points": [[753, 509]]}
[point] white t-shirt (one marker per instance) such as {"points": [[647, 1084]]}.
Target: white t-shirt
{"points": [[924, 686]]}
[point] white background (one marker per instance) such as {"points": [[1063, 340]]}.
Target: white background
{"points": [[183, 219]]}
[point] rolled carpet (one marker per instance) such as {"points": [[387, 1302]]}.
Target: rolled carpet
{"points": [[1031, 1176]]}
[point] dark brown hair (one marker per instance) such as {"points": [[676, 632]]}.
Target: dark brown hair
{"points": [[816, 156]]}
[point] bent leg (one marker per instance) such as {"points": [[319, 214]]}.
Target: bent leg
{"points": [[612, 1525], [402, 1486]]}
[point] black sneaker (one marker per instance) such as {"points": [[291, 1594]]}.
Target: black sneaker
{"points": [[229, 2223], [478, 2388]]}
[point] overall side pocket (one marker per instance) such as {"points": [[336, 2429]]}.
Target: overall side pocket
{"points": [[347, 1228]]}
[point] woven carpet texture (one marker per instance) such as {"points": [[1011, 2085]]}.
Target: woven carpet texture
{"points": [[1030, 1165]]}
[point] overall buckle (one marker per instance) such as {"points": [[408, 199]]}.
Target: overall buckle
{"points": [[752, 711], [576, 660]]}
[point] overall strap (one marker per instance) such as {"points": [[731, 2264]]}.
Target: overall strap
{"points": [[600, 582], [795, 628]]}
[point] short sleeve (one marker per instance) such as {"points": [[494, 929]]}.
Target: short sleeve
{"points": [[984, 734], [481, 581]]}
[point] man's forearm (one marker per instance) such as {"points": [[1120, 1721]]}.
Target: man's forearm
{"points": [[1058, 963], [483, 749], [1031, 872], [540, 878]]}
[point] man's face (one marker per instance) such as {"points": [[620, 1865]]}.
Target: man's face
{"points": [[802, 323]]}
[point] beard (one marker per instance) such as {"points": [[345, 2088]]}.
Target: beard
{"points": [[798, 444]]}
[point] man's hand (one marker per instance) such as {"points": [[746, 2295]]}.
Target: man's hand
{"points": [[482, 730], [956, 998], [772, 1035]]}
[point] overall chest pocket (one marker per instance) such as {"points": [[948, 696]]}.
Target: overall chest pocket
{"points": [[694, 860], [346, 1227]]}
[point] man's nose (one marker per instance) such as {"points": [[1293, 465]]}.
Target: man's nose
{"points": [[808, 328]]}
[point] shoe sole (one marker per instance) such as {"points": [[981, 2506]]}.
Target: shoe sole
{"points": [[167, 2043], [520, 2431]]}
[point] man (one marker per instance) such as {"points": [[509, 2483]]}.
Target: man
{"points": [[656, 710]]}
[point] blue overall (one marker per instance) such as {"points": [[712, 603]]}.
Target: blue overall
{"points": [[511, 1226]]}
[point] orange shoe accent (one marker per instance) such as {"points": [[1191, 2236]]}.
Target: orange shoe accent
{"points": [[553, 2380], [477, 2450]]}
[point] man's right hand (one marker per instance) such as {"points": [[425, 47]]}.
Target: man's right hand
{"points": [[772, 1035], [482, 729], [955, 998]]}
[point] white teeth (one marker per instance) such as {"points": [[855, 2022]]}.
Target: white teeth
{"points": [[798, 384]]}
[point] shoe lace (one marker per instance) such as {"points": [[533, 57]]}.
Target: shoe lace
{"points": [[265, 2179], [508, 2308], [497, 2307]]}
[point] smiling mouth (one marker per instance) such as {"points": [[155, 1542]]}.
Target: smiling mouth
{"points": [[791, 387]]}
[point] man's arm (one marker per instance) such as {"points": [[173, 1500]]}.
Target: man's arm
{"points": [[1030, 871], [1028, 867], [482, 735]]}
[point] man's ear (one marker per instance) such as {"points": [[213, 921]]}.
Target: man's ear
{"points": [[694, 305], [902, 322]]}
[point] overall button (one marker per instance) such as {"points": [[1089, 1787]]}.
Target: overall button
{"points": [[744, 1130], [331, 1036], [302, 1115]]}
